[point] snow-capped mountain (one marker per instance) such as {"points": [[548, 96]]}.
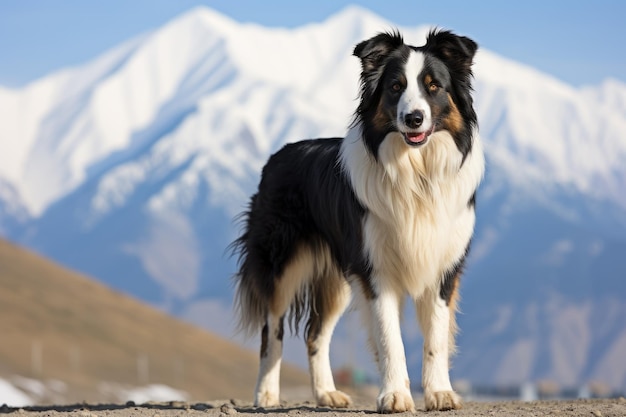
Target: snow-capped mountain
{"points": [[132, 168]]}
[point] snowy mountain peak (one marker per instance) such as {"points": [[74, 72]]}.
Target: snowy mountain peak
{"points": [[353, 18], [208, 17], [66, 128]]}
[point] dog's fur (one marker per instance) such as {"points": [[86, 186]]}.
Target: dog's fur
{"points": [[384, 212]]}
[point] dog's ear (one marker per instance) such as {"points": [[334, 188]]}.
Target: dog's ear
{"points": [[374, 51], [457, 52], [373, 54]]}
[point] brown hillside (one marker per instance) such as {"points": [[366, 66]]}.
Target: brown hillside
{"points": [[57, 324]]}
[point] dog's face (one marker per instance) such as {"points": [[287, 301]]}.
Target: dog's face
{"points": [[413, 95], [415, 91]]}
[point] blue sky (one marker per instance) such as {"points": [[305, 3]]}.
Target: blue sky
{"points": [[580, 42]]}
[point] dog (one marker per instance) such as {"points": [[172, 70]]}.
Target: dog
{"points": [[384, 212]]}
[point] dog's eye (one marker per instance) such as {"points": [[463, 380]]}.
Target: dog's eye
{"points": [[432, 87], [396, 87]]}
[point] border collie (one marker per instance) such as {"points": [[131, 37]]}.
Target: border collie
{"points": [[385, 212]]}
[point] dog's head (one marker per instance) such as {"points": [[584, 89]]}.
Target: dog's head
{"points": [[416, 91]]}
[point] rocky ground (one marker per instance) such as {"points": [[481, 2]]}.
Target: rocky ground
{"points": [[227, 408]]}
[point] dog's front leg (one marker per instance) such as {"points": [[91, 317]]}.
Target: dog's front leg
{"points": [[436, 319], [395, 393]]}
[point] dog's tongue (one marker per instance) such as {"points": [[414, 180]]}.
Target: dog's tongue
{"points": [[416, 137]]}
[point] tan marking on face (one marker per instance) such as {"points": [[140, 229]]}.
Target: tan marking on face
{"points": [[453, 121], [381, 119], [430, 86]]}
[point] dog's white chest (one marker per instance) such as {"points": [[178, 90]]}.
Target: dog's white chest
{"points": [[420, 219]]}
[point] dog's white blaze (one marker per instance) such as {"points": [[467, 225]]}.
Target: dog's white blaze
{"points": [[412, 98]]}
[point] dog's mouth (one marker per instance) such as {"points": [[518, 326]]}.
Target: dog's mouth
{"points": [[418, 138]]}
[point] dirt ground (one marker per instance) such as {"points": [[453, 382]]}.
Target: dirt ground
{"points": [[229, 408]]}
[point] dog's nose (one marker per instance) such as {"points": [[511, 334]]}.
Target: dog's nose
{"points": [[414, 119]]}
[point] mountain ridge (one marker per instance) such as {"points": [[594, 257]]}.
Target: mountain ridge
{"points": [[90, 337], [201, 21]]}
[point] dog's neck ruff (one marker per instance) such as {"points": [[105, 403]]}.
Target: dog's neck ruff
{"points": [[404, 175], [419, 219]]}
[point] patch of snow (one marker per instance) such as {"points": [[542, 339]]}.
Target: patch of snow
{"points": [[154, 392], [12, 396]]}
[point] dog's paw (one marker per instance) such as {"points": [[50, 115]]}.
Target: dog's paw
{"points": [[266, 399], [442, 400], [395, 402], [334, 399]]}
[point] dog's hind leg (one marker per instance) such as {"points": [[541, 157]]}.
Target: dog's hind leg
{"points": [[330, 298], [436, 314], [267, 392], [294, 278]]}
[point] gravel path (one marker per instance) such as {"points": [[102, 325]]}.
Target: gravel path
{"points": [[228, 408]]}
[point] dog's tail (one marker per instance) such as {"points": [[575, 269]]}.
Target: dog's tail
{"points": [[255, 284], [250, 304], [254, 292], [251, 309]]}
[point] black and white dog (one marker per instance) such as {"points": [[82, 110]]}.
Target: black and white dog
{"points": [[384, 212]]}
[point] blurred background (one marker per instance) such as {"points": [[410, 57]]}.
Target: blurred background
{"points": [[133, 133]]}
